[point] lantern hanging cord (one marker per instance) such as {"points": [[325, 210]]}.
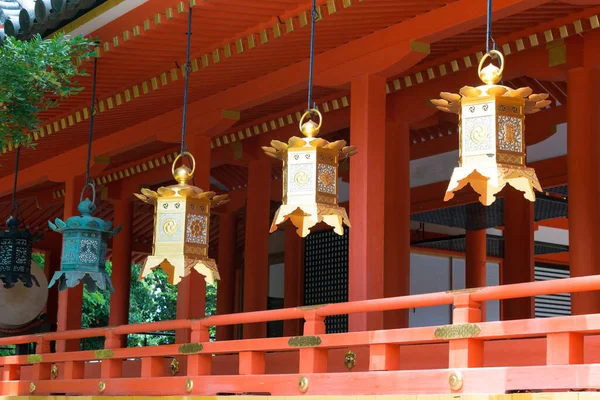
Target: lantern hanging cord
{"points": [[489, 38], [188, 70], [14, 193], [314, 15], [92, 114]]}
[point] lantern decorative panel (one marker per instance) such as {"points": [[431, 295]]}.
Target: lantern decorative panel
{"points": [[15, 255], [181, 227], [310, 177], [83, 258], [492, 135]]}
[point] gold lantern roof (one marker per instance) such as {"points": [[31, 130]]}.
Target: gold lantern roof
{"points": [[181, 227], [492, 134], [310, 174]]}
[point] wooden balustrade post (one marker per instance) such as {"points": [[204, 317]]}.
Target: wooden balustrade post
{"points": [[252, 363], [111, 367], [199, 364], [313, 359], [466, 351], [11, 372], [41, 370], [564, 348]]}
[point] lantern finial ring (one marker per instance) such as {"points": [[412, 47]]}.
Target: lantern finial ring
{"points": [[183, 174], [91, 186], [310, 128], [491, 74]]}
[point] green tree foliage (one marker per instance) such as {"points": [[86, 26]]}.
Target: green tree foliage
{"points": [[152, 299], [35, 76]]}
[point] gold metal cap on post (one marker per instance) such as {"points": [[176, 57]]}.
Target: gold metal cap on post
{"points": [[181, 227], [492, 134], [310, 175]]}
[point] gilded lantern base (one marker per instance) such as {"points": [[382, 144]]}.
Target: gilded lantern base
{"points": [[306, 216], [178, 267], [488, 181], [92, 280]]}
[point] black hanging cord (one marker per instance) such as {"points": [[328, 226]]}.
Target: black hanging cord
{"points": [[188, 70], [92, 114], [489, 38], [14, 193], [314, 14]]}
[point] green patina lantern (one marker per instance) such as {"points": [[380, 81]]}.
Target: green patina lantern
{"points": [[15, 255], [85, 240]]}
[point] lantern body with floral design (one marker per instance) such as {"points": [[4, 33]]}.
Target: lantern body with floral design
{"points": [[492, 135], [181, 228], [310, 177], [15, 255], [85, 240]]}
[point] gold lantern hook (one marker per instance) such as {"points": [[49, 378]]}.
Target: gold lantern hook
{"points": [[491, 74], [183, 174], [310, 128]]}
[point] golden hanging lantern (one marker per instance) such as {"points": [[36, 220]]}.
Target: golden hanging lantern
{"points": [[181, 227], [492, 135], [310, 176]]}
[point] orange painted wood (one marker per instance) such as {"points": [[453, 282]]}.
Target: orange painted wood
{"points": [[314, 360], [10, 372], [199, 364], [74, 370], [397, 235], [252, 363], [518, 252], [226, 265], [476, 381], [293, 278], [466, 310], [384, 357], [476, 261], [367, 174], [564, 348], [256, 256], [121, 261], [111, 368], [584, 177], [466, 353], [70, 300], [152, 367]]}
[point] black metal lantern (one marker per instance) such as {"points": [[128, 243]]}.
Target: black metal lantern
{"points": [[15, 255], [16, 245]]}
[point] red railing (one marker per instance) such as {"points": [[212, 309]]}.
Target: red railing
{"points": [[467, 356]]}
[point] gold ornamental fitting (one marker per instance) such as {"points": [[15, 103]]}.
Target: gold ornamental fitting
{"points": [[491, 74], [310, 128], [350, 360], [303, 384], [101, 386], [189, 385], [183, 174], [54, 371], [455, 380], [32, 387]]}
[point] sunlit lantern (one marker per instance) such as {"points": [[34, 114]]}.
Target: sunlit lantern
{"points": [[492, 135], [310, 177], [15, 255], [181, 227], [85, 241]]}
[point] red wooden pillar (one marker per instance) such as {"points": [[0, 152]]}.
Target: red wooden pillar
{"points": [[191, 291], [583, 166], [121, 263], [70, 300], [293, 278], [396, 266], [379, 263], [226, 263], [256, 253], [518, 252], [475, 261], [52, 246]]}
